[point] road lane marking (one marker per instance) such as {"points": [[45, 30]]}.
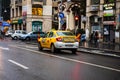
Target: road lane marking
{"points": [[4, 48], [18, 64], [73, 60]]}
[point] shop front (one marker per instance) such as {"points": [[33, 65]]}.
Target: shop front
{"points": [[14, 24], [17, 24], [108, 31], [36, 26], [109, 22]]}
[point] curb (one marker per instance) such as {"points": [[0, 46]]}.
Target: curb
{"points": [[89, 50], [98, 52], [108, 50]]}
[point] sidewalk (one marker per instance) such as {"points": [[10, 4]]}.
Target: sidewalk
{"points": [[102, 48], [105, 49]]}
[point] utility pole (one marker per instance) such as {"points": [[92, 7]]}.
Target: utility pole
{"points": [[61, 15], [60, 19]]}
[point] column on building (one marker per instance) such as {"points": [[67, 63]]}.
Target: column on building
{"points": [[29, 15], [93, 16], [47, 15]]}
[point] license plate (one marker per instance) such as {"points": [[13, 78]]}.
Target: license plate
{"points": [[69, 45], [68, 40]]}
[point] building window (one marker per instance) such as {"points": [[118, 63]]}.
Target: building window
{"points": [[95, 2], [109, 1], [37, 10], [12, 12]]}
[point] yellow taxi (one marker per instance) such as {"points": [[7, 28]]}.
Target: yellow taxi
{"points": [[58, 40]]}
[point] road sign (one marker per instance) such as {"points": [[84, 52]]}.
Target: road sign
{"points": [[62, 22], [61, 15]]}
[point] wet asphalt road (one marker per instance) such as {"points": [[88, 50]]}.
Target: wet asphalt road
{"points": [[21, 61]]}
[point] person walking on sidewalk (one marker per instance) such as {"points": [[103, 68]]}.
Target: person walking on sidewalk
{"points": [[92, 37], [96, 38], [0, 34]]}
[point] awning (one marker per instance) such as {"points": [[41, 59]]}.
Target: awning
{"points": [[5, 24]]}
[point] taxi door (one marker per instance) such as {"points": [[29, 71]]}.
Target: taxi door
{"points": [[44, 40], [49, 39]]}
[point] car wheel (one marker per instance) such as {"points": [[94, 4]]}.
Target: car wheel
{"points": [[15, 37], [74, 51], [52, 48], [27, 39], [40, 47]]}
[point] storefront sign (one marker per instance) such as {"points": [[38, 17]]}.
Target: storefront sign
{"points": [[20, 21], [109, 6], [109, 22], [24, 10], [94, 7], [14, 21], [108, 13]]}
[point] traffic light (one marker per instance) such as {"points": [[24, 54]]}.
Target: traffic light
{"points": [[76, 18]]}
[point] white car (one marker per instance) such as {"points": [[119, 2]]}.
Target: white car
{"points": [[16, 35], [9, 33]]}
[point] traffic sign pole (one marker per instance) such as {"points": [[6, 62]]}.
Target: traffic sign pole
{"points": [[60, 16]]}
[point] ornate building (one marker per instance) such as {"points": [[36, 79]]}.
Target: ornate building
{"points": [[102, 17], [5, 9], [31, 15]]}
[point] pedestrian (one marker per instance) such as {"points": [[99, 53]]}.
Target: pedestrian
{"points": [[0, 34], [92, 37], [96, 37], [3, 35]]}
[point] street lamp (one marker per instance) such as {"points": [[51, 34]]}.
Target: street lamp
{"points": [[5, 10]]}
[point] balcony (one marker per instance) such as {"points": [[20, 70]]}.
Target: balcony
{"points": [[94, 8]]}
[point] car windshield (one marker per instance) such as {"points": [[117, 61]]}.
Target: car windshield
{"points": [[65, 34]]}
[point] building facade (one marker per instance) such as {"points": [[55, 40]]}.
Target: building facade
{"points": [[5, 9], [31, 15], [71, 14], [43, 15], [103, 16], [0, 7]]}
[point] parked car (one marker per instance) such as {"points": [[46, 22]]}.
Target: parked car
{"points": [[9, 33], [31, 36], [16, 35], [59, 40]]}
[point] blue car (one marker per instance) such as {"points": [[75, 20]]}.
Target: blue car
{"points": [[31, 36]]}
